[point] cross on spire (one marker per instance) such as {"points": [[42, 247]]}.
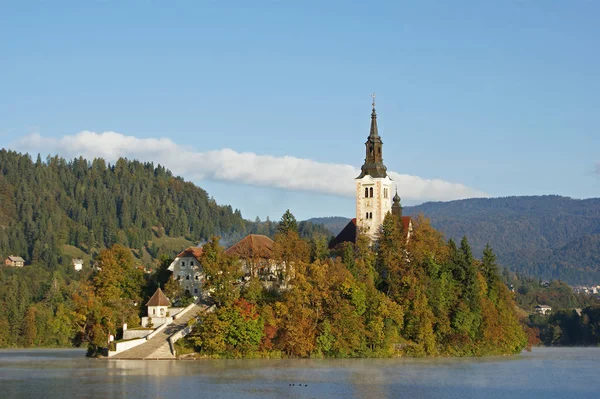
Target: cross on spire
{"points": [[373, 97]]}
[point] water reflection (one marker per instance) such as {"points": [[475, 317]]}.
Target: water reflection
{"points": [[545, 373]]}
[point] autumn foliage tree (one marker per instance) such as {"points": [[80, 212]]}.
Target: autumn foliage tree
{"points": [[222, 273], [418, 296]]}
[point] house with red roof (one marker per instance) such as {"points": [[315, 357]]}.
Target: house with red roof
{"points": [[255, 253]]}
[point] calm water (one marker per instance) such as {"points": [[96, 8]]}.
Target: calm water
{"points": [[545, 373]]}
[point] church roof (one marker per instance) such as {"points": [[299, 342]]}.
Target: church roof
{"points": [[252, 246], [158, 299], [373, 165], [348, 233], [195, 252], [406, 223]]}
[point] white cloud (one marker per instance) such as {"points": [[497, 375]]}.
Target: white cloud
{"points": [[287, 172]]}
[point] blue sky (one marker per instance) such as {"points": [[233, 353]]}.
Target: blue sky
{"points": [[489, 98]]}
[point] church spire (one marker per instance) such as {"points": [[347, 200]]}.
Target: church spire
{"points": [[373, 165], [396, 207], [374, 132]]}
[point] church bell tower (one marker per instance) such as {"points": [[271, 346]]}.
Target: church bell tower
{"points": [[373, 185]]}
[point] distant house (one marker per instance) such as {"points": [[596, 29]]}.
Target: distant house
{"points": [[77, 264], [187, 270], [14, 261], [543, 309], [255, 252]]}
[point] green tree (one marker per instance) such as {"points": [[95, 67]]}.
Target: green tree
{"points": [[222, 272], [287, 223], [29, 327]]}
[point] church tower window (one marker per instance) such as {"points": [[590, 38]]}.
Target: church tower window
{"points": [[371, 192], [366, 192]]}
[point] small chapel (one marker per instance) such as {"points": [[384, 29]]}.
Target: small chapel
{"points": [[373, 193]]}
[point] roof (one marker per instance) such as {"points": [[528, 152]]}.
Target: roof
{"points": [[373, 165], [348, 233], [543, 307], [158, 299], [13, 258], [195, 252], [252, 246], [406, 222], [77, 260]]}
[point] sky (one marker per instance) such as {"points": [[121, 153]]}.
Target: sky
{"points": [[266, 104]]}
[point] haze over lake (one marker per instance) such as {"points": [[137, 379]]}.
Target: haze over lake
{"points": [[544, 373]]}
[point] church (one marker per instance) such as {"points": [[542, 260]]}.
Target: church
{"points": [[373, 193]]}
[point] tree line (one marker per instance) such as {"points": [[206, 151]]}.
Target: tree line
{"points": [[573, 320], [424, 297], [551, 237]]}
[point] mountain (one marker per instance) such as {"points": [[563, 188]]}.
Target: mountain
{"points": [[334, 224], [55, 210], [551, 237]]}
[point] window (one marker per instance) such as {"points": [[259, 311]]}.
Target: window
{"points": [[178, 278], [366, 192], [187, 277], [182, 264], [197, 278], [154, 311], [370, 215], [371, 192], [195, 290], [192, 264], [371, 149], [367, 216]]}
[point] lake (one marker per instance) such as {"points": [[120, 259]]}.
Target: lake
{"points": [[65, 373]]}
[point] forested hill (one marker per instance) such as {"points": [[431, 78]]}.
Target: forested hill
{"points": [[551, 237], [53, 207]]}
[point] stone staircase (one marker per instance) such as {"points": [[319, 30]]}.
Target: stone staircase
{"points": [[158, 347]]}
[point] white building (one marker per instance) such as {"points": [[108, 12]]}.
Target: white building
{"points": [[187, 270], [77, 264], [543, 309], [158, 310]]}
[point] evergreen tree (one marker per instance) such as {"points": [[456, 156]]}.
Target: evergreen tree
{"points": [[287, 223], [489, 268]]}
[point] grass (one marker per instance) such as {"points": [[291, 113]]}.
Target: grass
{"points": [[183, 347], [175, 244], [75, 252]]}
